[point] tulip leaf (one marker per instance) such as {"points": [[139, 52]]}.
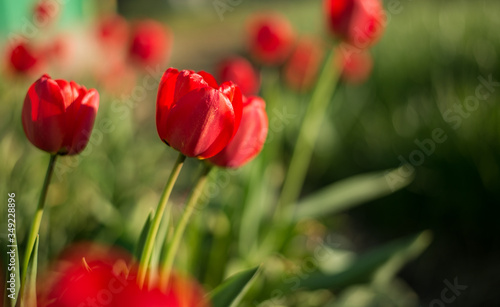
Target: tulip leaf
{"points": [[232, 290], [29, 298], [380, 264], [143, 236], [351, 192]]}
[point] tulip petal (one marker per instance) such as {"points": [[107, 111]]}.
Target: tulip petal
{"points": [[165, 99], [69, 91], [43, 115], [83, 121], [249, 139], [233, 93], [201, 123], [208, 78], [187, 81], [340, 15]]}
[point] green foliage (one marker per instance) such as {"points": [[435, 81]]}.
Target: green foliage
{"points": [[429, 58], [232, 290]]}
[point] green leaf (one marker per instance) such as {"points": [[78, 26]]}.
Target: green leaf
{"points": [[144, 234], [377, 265], [351, 192], [30, 296], [230, 292], [27, 293]]}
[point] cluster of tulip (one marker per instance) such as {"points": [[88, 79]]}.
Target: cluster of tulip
{"points": [[194, 115], [272, 41], [223, 124], [112, 46]]}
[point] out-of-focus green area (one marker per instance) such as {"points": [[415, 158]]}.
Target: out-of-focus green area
{"points": [[428, 65]]}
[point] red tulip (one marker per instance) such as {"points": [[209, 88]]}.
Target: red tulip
{"points": [[194, 115], [271, 38], [302, 68], [91, 275], [22, 58], [240, 71], [249, 139], [58, 115], [358, 22], [150, 43], [355, 67]]}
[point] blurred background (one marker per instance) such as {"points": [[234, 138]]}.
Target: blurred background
{"points": [[427, 67]]}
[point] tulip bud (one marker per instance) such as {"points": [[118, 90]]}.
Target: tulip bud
{"points": [[271, 38], [249, 139], [302, 68], [240, 71], [150, 43], [355, 67], [358, 22], [194, 115], [58, 115]]}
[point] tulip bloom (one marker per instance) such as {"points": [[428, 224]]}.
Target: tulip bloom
{"points": [[355, 67], [58, 115], [358, 22], [302, 68], [150, 43], [194, 115], [249, 139], [271, 38], [240, 71], [22, 58]]}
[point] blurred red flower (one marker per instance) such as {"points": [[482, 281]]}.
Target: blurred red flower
{"points": [[355, 67], [22, 58], [250, 138], [240, 71], [93, 275], [302, 68], [45, 12], [58, 115], [271, 38], [150, 43], [194, 115], [358, 22], [113, 32]]}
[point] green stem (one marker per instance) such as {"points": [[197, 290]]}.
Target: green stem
{"points": [[308, 135], [153, 230], [35, 226], [168, 261], [301, 156]]}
